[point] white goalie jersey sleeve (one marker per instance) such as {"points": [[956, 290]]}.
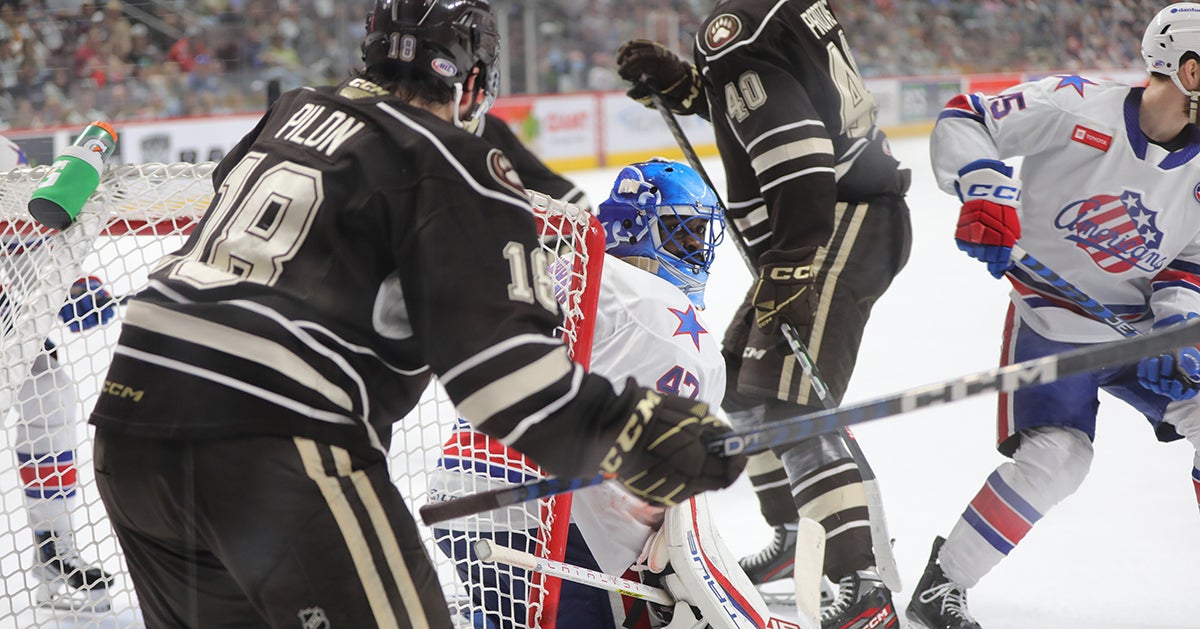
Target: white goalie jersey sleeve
{"points": [[648, 330], [1114, 213]]}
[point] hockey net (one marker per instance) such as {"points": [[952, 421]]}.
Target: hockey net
{"points": [[140, 213]]}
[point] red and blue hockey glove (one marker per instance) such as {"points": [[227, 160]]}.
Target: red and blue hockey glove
{"points": [[988, 224], [1176, 376], [88, 305]]}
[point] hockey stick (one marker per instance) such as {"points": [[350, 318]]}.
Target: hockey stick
{"points": [[471, 504], [689, 153], [881, 540], [1097, 310], [1093, 308], [487, 551], [490, 552], [1033, 372]]}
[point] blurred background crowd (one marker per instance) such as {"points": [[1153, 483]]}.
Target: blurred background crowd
{"points": [[72, 61]]}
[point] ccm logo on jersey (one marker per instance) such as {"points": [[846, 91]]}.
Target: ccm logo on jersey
{"points": [[1092, 138]]}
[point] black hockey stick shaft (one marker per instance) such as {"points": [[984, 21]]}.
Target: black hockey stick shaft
{"points": [[1006, 379], [435, 512], [799, 349], [693, 160]]}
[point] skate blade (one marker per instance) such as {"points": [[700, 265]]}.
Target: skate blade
{"points": [[74, 601], [784, 599]]}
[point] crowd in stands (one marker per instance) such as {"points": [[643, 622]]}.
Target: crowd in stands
{"points": [[72, 61]]}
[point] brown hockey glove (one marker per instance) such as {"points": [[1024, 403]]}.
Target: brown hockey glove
{"points": [[659, 454], [651, 67], [786, 292]]}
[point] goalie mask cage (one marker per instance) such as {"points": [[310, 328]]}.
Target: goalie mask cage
{"points": [[140, 213]]}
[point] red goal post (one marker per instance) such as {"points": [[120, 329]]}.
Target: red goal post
{"points": [[140, 213]]}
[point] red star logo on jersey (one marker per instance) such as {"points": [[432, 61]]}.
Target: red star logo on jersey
{"points": [[689, 324]]}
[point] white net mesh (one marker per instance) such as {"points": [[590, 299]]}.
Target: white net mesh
{"points": [[140, 213]]}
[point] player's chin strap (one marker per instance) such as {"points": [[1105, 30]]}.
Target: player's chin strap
{"points": [[1193, 98]]}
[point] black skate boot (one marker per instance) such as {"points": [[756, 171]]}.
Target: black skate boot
{"points": [[65, 580], [776, 561], [862, 601], [938, 602]]}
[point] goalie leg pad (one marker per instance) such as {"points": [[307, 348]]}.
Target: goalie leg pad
{"points": [[705, 573]]}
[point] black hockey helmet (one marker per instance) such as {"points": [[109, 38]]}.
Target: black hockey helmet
{"points": [[443, 40]]}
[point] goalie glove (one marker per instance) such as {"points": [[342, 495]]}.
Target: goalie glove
{"points": [[651, 67], [660, 453], [88, 305]]}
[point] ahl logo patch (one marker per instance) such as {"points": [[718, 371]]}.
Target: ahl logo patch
{"points": [[1196, 192], [1092, 138], [503, 172], [723, 29], [444, 67]]}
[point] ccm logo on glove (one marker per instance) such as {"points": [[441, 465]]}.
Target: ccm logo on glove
{"points": [[996, 192], [632, 431], [785, 273]]}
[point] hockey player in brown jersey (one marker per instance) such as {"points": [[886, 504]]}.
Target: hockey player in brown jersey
{"points": [[818, 197], [359, 244]]}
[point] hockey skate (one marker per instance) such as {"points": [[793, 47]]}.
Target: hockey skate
{"points": [[65, 581], [776, 561], [938, 602], [862, 601]]}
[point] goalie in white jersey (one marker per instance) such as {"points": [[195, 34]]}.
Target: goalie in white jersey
{"points": [[662, 226], [1108, 197]]}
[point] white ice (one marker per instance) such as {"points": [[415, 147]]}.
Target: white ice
{"points": [[1122, 553]]}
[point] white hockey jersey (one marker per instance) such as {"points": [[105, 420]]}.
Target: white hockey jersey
{"points": [[646, 329], [1113, 213]]}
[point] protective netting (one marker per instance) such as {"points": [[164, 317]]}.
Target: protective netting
{"points": [[50, 512]]}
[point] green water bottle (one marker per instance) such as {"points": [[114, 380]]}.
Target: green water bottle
{"points": [[73, 177]]}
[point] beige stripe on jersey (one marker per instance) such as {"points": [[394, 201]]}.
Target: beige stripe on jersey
{"points": [[236, 343], [352, 534], [850, 216], [516, 386], [387, 537], [792, 150]]}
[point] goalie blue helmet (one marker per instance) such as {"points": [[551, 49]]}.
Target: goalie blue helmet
{"points": [[663, 212], [436, 40]]}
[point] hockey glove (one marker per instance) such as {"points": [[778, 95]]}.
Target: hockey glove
{"points": [[989, 225], [1164, 375], [651, 67], [786, 293], [660, 454], [88, 305]]}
